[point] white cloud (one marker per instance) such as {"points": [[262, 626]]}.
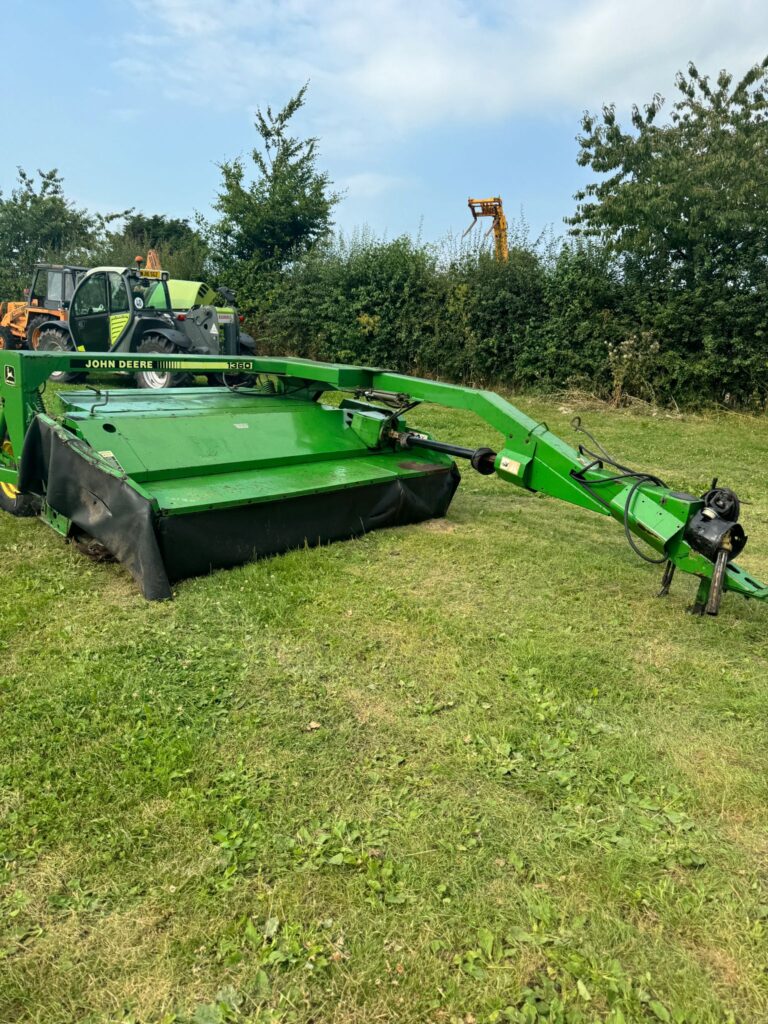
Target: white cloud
{"points": [[387, 69], [370, 184], [126, 114]]}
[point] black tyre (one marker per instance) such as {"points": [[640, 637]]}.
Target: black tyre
{"points": [[11, 501], [32, 324], [7, 339], [21, 505], [247, 345], [54, 340], [155, 380]]}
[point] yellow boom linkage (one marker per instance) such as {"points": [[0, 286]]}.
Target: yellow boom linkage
{"points": [[492, 207]]}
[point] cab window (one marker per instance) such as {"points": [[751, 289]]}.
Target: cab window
{"points": [[159, 297], [152, 293], [54, 287], [118, 294], [39, 289], [70, 283], [91, 296]]}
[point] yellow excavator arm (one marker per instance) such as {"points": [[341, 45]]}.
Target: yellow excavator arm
{"points": [[492, 207]]}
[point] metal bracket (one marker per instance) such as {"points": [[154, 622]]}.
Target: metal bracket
{"points": [[712, 606], [666, 579]]}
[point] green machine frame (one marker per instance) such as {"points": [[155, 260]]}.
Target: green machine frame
{"points": [[698, 535]]}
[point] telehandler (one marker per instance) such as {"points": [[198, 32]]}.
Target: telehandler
{"points": [[493, 208], [129, 309]]}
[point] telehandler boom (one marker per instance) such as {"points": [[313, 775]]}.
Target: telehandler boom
{"points": [[494, 208], [177, 483]]}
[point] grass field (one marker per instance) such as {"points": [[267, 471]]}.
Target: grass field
{"points": [[471, 770]]}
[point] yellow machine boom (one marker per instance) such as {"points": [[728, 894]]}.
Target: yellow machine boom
{"points": [[492, 207]]}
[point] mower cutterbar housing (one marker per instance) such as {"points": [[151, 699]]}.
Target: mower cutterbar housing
{"points": [[179, 482]]}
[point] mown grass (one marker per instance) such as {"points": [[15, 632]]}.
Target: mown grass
{"points": [[470, 770]]}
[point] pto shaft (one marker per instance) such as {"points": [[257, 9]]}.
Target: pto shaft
{"points": [[481, 459]]}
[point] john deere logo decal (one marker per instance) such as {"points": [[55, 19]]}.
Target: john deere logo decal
{"points": [[10, 376]]}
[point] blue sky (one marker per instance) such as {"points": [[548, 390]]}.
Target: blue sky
{"points": [[417, 105]]}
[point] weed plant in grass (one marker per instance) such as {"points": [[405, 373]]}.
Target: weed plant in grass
{"points": [[470, 770]]}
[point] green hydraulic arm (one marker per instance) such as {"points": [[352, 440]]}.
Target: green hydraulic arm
{"points": [[698, 535]]}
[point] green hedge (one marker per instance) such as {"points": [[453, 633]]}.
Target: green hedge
{"points": [[560, 317]]}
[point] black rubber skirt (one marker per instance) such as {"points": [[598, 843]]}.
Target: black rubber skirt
{"points": [[158, 550]]}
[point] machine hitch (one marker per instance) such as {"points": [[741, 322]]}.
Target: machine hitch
{"points": [[714, 531]]}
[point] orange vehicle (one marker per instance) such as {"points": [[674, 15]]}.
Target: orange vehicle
{"points": [[48, 299]]}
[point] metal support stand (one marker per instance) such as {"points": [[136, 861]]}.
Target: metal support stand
{"points": [[702, 595], [718, 579], [666, 579]]}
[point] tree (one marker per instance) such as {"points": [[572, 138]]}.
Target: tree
{"points": [[38, 223], [683, 207], [282, 212], [181, 248], [683, 203], [158, 230]]}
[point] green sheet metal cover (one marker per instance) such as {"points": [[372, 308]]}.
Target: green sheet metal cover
{"points": [[195, 449], [185, 294]]}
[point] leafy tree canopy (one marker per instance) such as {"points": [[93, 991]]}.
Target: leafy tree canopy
{"points": [[181, 248], [683, 203], [158, 230], [38, 223], [284, 210]]}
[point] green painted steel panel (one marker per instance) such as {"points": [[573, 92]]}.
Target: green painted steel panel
{"points": [[201, 448], [178, 401], [193, 494], [253, 433]]}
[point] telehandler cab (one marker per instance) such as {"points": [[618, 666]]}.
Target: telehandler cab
{"points": [[118, 309]]}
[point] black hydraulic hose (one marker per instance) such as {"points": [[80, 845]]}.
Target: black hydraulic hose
{"points": [[624, 473], [630, 539]]}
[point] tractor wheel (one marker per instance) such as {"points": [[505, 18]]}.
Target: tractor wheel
{"points": [[11, 501], [7, 339], [32, 325], [21, 505], [160, 379], [51, 340]]}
